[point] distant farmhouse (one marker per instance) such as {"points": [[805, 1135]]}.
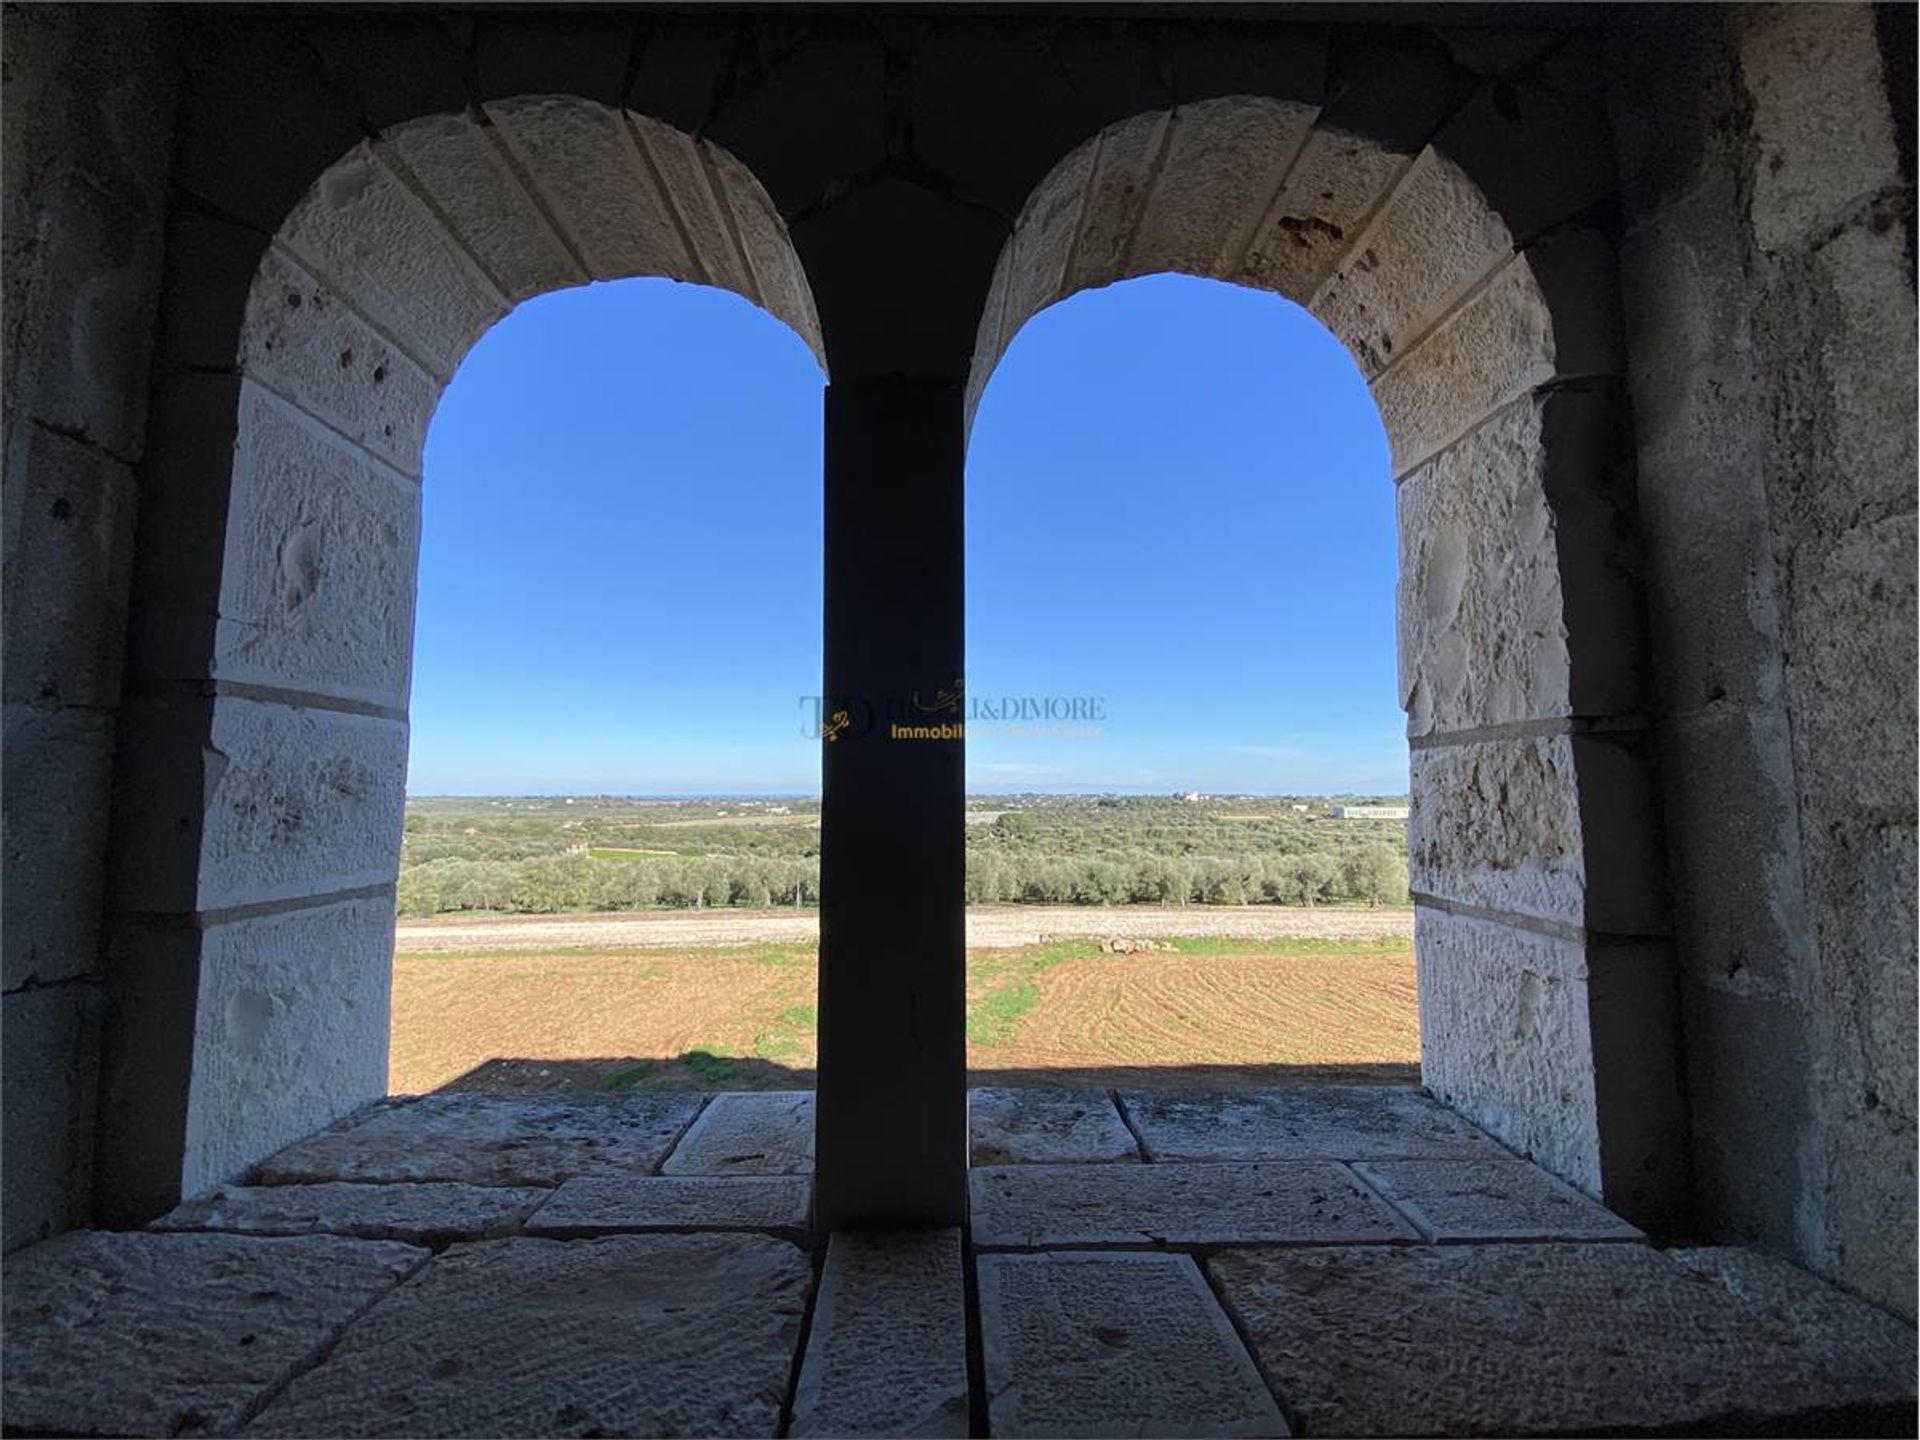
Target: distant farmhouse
{"points": [[1370, 812]]}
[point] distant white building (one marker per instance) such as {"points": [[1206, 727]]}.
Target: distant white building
{"points": [[1370, 812]]}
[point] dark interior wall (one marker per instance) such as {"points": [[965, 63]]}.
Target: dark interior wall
{"points": [[88, 115], [1769, 291]]}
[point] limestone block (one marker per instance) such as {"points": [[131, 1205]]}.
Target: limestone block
{"points": [[299, 802], [459, 163], [1482, 636], [779, 279], [54, 811], [1482, 1200], [131, 1334], [362, 228], [1298, 1202], [1029, 1126], [1224, 161], [1042, 242], [1116, 201], [1114, 1345], [1505, 1037], [1496, 824], [1494, 349], [421, 1214], [1338, 181], [1436, 240], [290, 1034], [610, 1201], [769, 1133], [69, 511], [1823, 132], [1403, 1342], [489, 1140], [303, 340], [629, 1335], [1299, 1122], [585, 165], [1818, 1315], [675, 158], [317, 592], [49, 1054], [887, 1354]]}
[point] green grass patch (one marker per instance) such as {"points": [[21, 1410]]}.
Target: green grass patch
{"points": [[804, 1016], [1280, 945]]}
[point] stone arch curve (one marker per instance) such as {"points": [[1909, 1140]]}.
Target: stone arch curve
{"points": [[1546, 994], [263, 783]]}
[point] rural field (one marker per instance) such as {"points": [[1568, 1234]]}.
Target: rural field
{"points": [[666, 1000]]}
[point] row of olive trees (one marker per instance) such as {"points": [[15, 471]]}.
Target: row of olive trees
{"points": [[550, 884]]}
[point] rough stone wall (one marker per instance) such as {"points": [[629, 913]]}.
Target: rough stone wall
{"points": [[1769, 285], [88, 116]]}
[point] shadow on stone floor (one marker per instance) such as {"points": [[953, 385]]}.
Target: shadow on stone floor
{"points": [[703, 1070]]}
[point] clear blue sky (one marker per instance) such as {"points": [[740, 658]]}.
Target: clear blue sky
{"points": [[1177, 502]]}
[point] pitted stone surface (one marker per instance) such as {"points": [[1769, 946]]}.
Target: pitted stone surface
{"points": [[1491, 1200], [1851, 1336], [134, 1334], [419, 1213], [1531, 1339], [628, 1335], [1131, 1345], [1046, 1127], [768, 1133], [887, 1354], [489, 1140], [1496, 824], [612, 1200], [1300, 1202], [1300, 1122]]}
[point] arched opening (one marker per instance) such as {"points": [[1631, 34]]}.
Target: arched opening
{"points": [[1181, 590], [1546, 996], [267, 780]]}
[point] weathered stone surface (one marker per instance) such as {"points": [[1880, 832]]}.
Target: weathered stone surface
{"points": [[1042, 241], [53, 831], [298, 802], [1505, 1037], [1224, 160], [1299, 1122], [1482, 640], [1489, 352], [301, 338], [291, 1031], [1130, 1345], [422, 1213], [69, 511], [1335, 184], [1531, 1339], [130, 1334], [585, 164], [459, 164], [1437, 239], [318, 587], [768, 1133], [778, 275], [887, 1354], [49, 1058], [1302, 1202], [1116, 199], [610, 1201], [1046, 1127], [677, 159], [1853, 1338], [367, 232], [629, 1335], [1497, 824], [489, 1140], [1491, 1200]]}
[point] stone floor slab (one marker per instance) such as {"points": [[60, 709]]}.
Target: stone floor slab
{"points": [[1308, 1202], [1535, 1339], [887, 1354], [1113, 1344], [628, 1335], [144, 1334], [488, 1139], [1301, 1122], [609, 1203], [764, 1133], [1510, 1199], [429, 1213], [1046, 1126]]}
